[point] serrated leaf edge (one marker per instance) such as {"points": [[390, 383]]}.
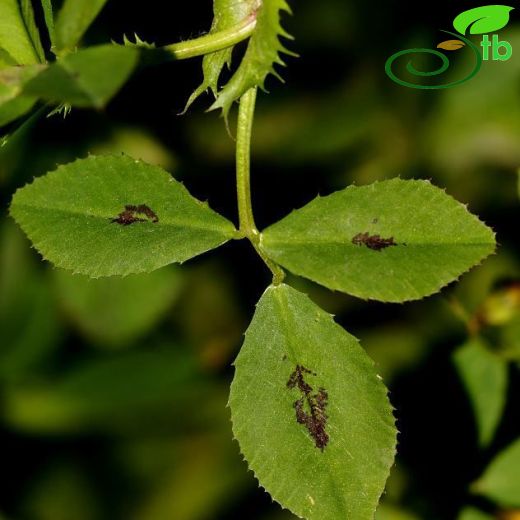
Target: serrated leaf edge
{"points": [[28, 229], [401, 301], [243, 79], [379, 382]]}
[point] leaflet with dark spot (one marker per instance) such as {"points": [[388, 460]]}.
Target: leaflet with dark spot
{"points": [[310, 408], [131, 212], [374, 242]]}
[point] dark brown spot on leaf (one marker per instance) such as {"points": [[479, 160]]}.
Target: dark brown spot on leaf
{"points": [[131, 212], [374, 242], [310, 408]]}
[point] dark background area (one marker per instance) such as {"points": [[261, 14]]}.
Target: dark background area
{"points": [[337, 120]]}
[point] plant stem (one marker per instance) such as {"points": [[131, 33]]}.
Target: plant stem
{"points": [[247, 226], [243, 154], [212, 42]]}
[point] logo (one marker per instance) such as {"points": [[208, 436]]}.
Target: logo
{"points": [[478, 21]]}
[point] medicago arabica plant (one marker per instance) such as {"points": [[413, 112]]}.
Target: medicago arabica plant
{"points": [[309, 411]]}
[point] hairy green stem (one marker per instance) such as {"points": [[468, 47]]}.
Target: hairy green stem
{"points": [[247, 226], [212, 42]]}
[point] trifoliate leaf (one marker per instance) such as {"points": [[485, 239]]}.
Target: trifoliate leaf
{"points": [[392, 241], [310, 414], [113, 215]]}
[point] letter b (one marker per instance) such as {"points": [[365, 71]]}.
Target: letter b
{"points": [[497, 45]]}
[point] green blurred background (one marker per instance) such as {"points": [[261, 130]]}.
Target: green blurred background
{"points": [[113, 392]]}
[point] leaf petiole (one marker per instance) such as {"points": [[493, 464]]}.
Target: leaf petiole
{"points": [[212, 42], [247, 226]]}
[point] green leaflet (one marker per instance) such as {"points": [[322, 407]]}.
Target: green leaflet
{"points": [[110, 392], [6, 60], [116, 312], [28, 313], [392, 241], [14, 39], [15, 108], [88, 78], [501, 479], [226, 13], [470, 513], [73, 19], [12, 80], [484, 375], [31, 330], [32, 28], [338, 476], [75, 217], [49, 20], [262, 54], [12, 145]]}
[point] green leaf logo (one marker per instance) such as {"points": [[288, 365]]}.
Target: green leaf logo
{"points": [[481, 20]]}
